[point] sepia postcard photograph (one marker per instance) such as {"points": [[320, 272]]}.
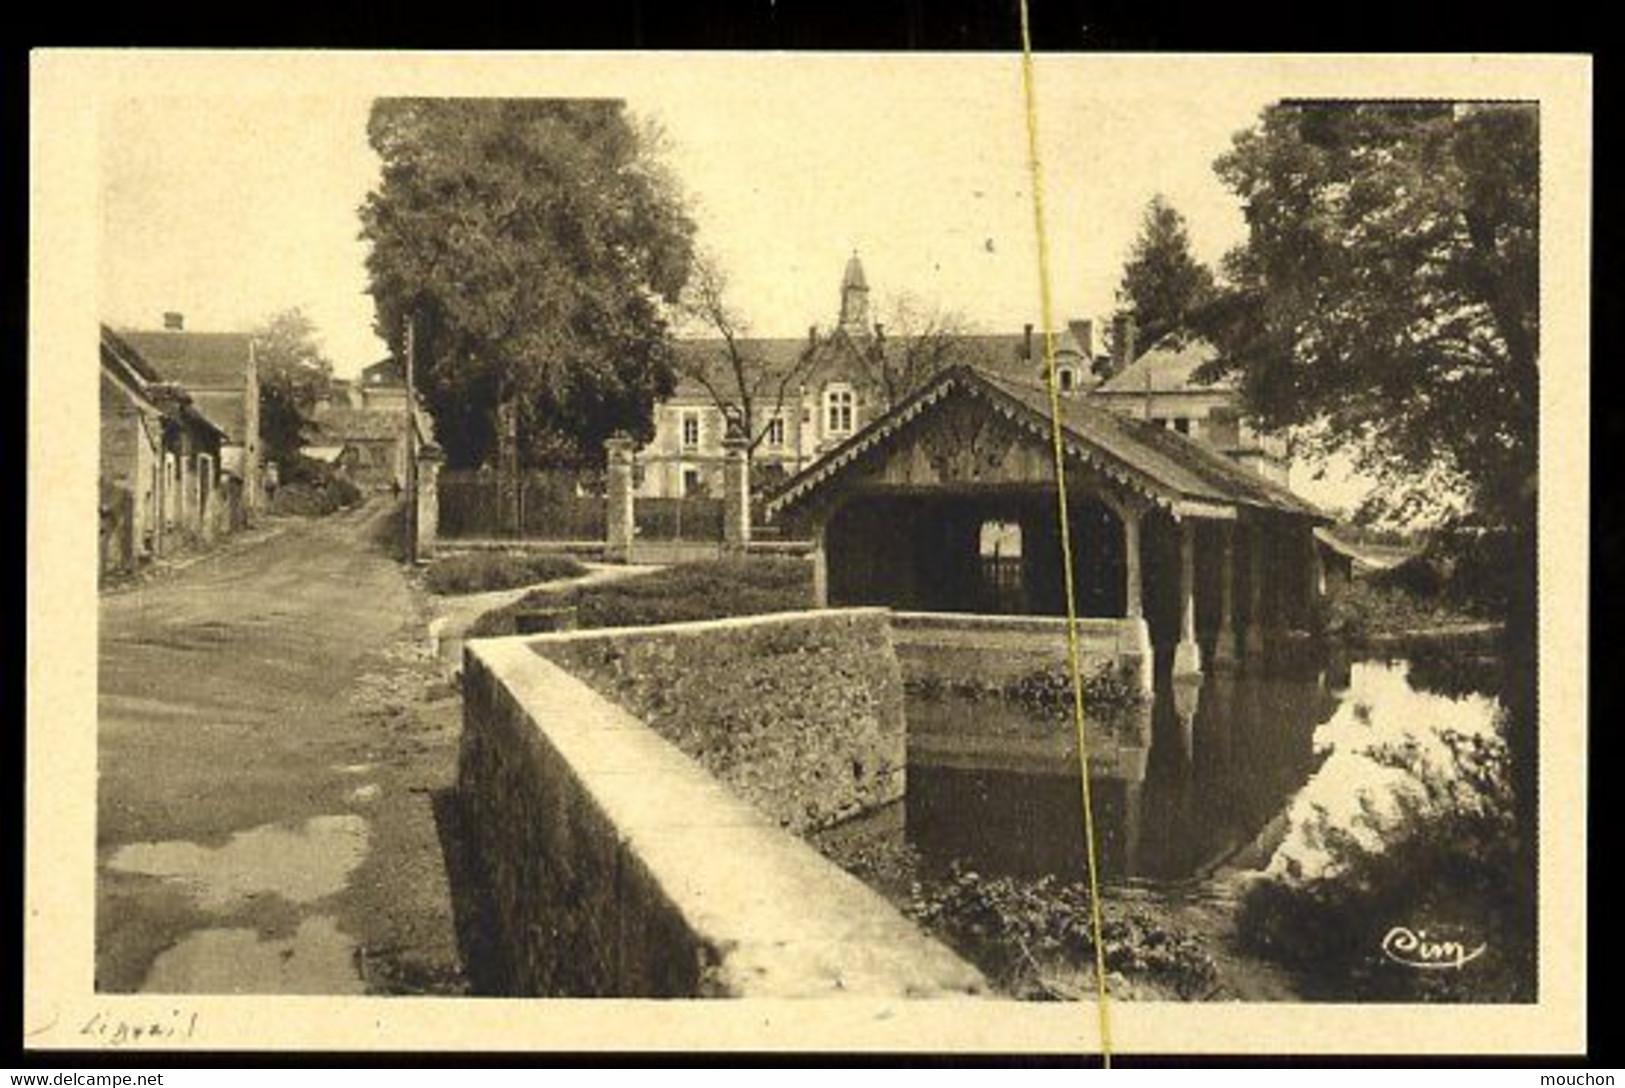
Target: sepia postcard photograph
{"points": [[1004, 553]]}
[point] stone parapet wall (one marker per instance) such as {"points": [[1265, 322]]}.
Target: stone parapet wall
{"points": [[616, 865], [947, 647], [799, 713]]}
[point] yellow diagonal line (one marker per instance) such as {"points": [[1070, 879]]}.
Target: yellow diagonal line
{"points": [[1102, 998]]}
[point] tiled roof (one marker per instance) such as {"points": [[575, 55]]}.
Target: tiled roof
{"points": [[168, 397], [225, 409], [386, 371], [1001, 353], [119, 350], [1160, 464], [1368, 556], [338, 425], [1175, 461], [1170, 366], [197, 360]]}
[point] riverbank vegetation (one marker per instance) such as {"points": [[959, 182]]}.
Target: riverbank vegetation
{"points": [[1456, 582], [1033, 937], [1393, 896], [1045, 693]]}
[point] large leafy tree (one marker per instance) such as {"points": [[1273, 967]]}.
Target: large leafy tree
{"points": [[1386, 305], [1163, 283], [537, 245], [294, 374], [1386, 301]]}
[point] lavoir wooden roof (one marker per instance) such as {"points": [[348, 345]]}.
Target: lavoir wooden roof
{"points": [[1171, 470]]}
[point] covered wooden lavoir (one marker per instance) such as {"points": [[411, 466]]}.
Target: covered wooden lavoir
{"points": [[948, 504]]}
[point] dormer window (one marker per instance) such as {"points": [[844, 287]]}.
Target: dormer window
{"points": [[838, 408], [1065, 378]]}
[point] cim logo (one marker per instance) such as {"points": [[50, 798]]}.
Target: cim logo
{"points": [[1414, 948]]}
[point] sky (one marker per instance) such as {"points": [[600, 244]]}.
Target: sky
{"points": [[230, 207]]}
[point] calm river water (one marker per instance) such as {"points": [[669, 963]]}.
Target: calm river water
{"points": [[1211, 774]]}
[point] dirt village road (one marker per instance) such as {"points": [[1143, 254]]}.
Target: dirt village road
{"points": [[276, 749]]}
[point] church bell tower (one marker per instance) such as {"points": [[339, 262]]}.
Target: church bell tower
{"points": [[854, 299]]}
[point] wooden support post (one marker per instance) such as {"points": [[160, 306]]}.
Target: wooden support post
{"points": [[1134, 594], [1226, 651], [1187, 655], [1134, 599], [1256, 623], [1314, 581]]}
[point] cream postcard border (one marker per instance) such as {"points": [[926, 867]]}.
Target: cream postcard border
{"points": [[69, 88]]}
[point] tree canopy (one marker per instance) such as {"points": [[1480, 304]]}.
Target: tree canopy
{"points": [[294, 374], [1386, 300], [748, 391], [1163, 283], [538, 245], [916, 341]]}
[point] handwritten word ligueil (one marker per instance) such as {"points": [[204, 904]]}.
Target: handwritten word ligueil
{"points": [[1414, 948], [118, 1031]]}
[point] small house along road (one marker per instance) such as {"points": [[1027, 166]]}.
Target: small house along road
{"points": [[272, 742]]}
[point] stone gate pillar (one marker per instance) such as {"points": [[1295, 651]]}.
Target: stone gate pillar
{"points": [[619, 522], [427, 521], [820, 563], [735, 494]]}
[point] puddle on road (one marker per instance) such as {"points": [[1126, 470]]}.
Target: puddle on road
{"points": [[302, 864], [318, 959]]}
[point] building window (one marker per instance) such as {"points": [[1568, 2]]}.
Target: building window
{"points": [[838, 402], [1182, 425], [1065, 377], [691, 483], [999, 546], [775, 431], [691, 430]]}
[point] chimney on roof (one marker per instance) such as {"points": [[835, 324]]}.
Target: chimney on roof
{"points": [[1083, 331], [1027, 342], [1123, 333], [173, 321]]}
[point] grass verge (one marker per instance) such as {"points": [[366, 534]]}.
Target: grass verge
{"points": [[480, 572], [711, 589]]}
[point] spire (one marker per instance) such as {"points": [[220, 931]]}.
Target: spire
{"points": [[854, 299]]}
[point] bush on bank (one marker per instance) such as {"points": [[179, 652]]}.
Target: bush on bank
{"points": [[1045, 693], [313, 489], [1444, 870]]}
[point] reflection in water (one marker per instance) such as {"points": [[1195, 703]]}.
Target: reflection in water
{"points": [[1178, 788]]}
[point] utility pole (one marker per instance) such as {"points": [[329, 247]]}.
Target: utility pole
{"points": [[411, 518]]}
